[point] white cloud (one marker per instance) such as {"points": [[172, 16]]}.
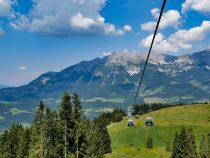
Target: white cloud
{"points": [[197, 5], [171, 18], [5, 7], [22, 68], [71, 17], [106, 53], [155, 12], [127, 28], [160, 45], [182, 39]]}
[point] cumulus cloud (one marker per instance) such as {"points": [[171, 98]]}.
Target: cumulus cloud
{"points": [[6, 7], [127, 28], [71, 17], [22, 68], [171, 18], [160, 45], [182, 39], [197, 5]]}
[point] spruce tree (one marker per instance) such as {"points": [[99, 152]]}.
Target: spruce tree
{"points": [[37, 143], [184, 145], [104, 137], [4, 145], [77, 107], [203, 151], [23, 150], [175, 149], [66, 125], [192, 150], [208, 145], [168, 146], [149, 142], [94, 149], [49, 134]]}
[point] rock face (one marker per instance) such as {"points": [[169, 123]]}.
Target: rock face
{"points": [[112, 81]]}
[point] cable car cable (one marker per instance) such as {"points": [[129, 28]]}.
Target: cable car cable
{"points": [[191, 90], [150, 49]]}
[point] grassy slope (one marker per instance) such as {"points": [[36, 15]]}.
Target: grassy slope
{"points": [[130, 142]]}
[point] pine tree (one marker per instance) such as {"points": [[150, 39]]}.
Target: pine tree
{"points": [[104, 137], [208, 144], [175, 149], [94, 149], [23, 150], [184, 145], [168, 146], [66, 124], [149, 142], [192, 150], [4, 145], [77, 107], [203, 151], [37, 143], [49, 134], [14, 139]]}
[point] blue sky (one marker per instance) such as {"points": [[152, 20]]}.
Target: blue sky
{"points": [[44, 35]]}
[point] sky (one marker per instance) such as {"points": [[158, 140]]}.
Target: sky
{"points": [[37, 36]]}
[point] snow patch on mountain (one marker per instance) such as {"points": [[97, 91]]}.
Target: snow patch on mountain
{"points": [[207, 67], [44, 80], [132, 70]]}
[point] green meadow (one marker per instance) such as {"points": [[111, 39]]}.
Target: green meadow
{"points": [[130, 142]]}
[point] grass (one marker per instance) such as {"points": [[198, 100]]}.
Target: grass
{"points": [[153, 92], [130, 142], [16, 111], [7, 103], [1, 118], [104, 100]]}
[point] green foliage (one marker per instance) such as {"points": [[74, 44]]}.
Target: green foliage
{"points": [[111, 117], [204, 149], [149, 142], [166, 123], [62, 134], [184, 144], [168, 146]]}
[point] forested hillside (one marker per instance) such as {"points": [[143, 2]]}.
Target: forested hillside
{"points": [[64, 133]]}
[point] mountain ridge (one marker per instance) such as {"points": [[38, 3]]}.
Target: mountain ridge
{"points": [[111, 81]]}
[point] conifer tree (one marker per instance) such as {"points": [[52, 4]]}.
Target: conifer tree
{"points": [[104, 137], [66, 124], [184, 145], [23, 150], [77, 107], [168, 146], [37, 143], [203, 151], [94, 143], [149, 142], [192, 150], [4, 145], [49, 134], [175, 149], [208, 144]]}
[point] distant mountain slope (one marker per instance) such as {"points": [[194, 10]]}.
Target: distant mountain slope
{"points": [[112, 81], [128, 142]]}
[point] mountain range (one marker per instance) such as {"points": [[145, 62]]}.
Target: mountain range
{"points": [[111, 81]]}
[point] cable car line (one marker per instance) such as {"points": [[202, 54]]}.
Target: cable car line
{"points": [[150, 49], [194, 89], [191, 90]]}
